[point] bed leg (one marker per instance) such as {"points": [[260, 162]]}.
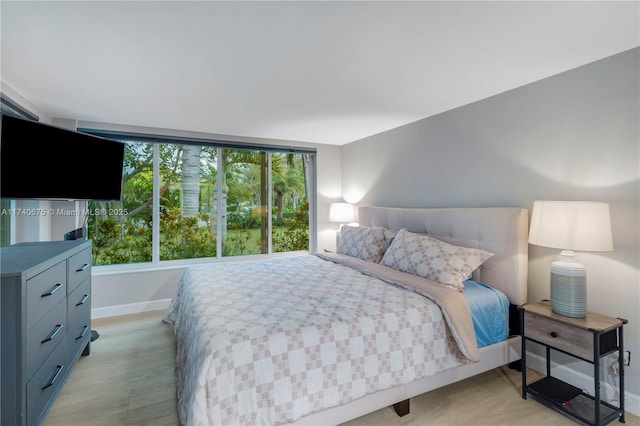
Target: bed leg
{"points": [[402, 408]]}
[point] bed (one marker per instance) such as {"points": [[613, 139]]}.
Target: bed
{"points": [[323, 338]]}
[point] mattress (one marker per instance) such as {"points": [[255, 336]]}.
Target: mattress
{"points": [[489, 312]]}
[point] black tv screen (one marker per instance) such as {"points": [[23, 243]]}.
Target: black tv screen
{"points": [[46, 162]]}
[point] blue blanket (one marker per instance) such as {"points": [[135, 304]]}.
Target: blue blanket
{"points": [[489, 310]]}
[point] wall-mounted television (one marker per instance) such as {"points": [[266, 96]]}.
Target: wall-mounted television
{"points": [[45, 162]]}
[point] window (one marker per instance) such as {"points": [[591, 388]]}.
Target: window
{"points": [[121, 231], [185, 199]]}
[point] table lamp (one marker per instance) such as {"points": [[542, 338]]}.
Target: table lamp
{"points": [[569, 226], [342, 212]]}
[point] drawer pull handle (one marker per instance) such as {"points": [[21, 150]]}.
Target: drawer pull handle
{"points": [[53, 290], [53, 333], [85, 266], [59, 369], [554, 334], [84, 331], [84, 299]]}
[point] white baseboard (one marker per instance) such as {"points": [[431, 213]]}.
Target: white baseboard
{"points": [[129, 308], [581, 380]]}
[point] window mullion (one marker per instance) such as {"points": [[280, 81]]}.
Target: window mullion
{"points": [[269, 204], [312, 198], [219, 173], [155, 214]]}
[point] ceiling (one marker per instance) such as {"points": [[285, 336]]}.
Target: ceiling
{"points": [[325, 72]]}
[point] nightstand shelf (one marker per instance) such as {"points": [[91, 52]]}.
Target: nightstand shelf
{"points": [[555, 391], [579, 405], [588, 339]]}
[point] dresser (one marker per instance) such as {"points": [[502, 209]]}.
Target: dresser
{"points": [[45, 323]]}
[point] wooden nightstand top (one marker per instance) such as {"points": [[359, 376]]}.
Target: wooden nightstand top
{"points": [[592, 321]]}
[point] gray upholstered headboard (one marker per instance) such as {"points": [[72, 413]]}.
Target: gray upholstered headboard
{"points": [[502, 231]]}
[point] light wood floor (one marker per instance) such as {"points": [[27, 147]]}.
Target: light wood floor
{"points": [[128, 380]]}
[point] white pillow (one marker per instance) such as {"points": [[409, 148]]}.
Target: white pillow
{"points": [[434, 259], [365, 242]]}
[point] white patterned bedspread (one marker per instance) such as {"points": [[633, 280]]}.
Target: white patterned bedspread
{"points": [[266, 342]]}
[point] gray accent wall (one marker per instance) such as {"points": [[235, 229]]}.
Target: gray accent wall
{"points": [[572, 136]]}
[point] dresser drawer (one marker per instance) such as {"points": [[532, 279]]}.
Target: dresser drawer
{"points": [[79, 266], [44, 336], [79, 336], [44, 291], [565, 337], [79, 303], [46, 382]]}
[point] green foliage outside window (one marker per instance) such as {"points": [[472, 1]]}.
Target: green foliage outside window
{"points": [[122, 231], [295, 233]]}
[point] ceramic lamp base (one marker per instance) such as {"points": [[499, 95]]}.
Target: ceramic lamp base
{"points": [[568, 289]]}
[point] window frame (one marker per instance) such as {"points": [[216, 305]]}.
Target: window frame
{"points": [[156, 140]]}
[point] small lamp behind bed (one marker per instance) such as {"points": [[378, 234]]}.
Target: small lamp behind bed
{"points": [[342, 212], [570, 225]]}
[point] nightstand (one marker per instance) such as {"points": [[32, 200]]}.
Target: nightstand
{"points": [[589, 339]]}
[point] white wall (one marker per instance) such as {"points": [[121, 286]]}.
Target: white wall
{"points": [[574, 136]]}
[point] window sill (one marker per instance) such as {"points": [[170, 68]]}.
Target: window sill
{"points": [[134, 268]]}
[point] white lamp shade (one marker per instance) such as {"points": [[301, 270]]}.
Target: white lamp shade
{"points": [[342, 212], [571, 225]]}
